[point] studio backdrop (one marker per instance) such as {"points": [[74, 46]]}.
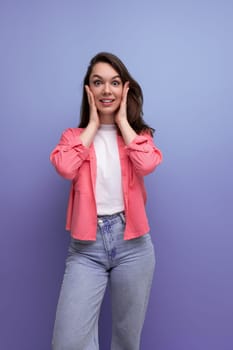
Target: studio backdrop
{"points": [[181, 54]]}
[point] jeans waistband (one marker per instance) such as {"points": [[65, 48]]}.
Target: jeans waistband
{"points": [[120, 214]]}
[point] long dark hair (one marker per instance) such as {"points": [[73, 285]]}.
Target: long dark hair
{"points": [[134, 97]]}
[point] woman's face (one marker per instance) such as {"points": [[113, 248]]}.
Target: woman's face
{"points": [[106, 87]]}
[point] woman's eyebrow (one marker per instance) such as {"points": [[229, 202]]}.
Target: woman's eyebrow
{"points": [[98, 76]]}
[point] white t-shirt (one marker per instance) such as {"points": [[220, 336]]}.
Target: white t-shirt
{"points": [[109, 195]]}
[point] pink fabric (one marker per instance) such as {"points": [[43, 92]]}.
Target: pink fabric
{"points": [[76, 162]]}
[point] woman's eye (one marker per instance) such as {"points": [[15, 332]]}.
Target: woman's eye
{"points": [[97, 82], [115, 83]]}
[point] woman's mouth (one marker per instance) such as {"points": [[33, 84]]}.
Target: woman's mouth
{"points": [[106, 101]]}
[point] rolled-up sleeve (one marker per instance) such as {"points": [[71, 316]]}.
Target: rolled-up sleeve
{"points": [[69, 154], [144, 155]]}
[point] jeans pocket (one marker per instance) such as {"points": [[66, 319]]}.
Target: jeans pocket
{"points": [[77, 246], [142, 239]]}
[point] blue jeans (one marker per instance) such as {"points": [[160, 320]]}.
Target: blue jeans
{"points": [[128, 266]]}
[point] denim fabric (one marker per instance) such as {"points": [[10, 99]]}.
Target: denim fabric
{"points": [[127, 265]]}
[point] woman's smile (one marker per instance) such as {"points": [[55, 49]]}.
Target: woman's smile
{"points": [[107, 102]]}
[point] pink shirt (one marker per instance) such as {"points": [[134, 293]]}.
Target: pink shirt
{"points": [[76, 162]]}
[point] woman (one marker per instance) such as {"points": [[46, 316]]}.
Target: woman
{"points": [[106, 158]]}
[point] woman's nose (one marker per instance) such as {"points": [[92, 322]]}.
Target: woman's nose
{"points": [[107, 88]]}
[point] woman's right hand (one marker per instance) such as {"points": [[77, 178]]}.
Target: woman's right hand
{"points": [[94, 117], [88, 134]]}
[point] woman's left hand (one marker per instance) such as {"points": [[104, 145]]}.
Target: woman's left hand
{"points": [[121, 114]]}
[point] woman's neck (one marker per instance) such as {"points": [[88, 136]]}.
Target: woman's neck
{"points": [[107, 119]]}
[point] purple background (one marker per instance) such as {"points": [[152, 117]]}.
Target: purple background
{"points": [[181, 53]]}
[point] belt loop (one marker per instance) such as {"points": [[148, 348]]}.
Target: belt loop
{"points": [[122, 216]]}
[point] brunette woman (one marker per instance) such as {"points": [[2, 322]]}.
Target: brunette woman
{"points": [[106, 158]]}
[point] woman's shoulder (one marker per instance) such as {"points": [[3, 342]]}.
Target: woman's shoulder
{"points": [[73, 131]]}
